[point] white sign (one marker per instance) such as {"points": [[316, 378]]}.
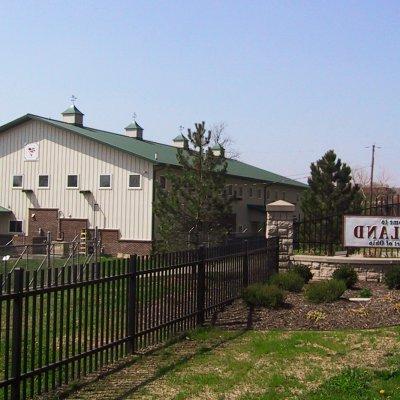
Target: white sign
{"points": [[366, 231], [31, 151]]}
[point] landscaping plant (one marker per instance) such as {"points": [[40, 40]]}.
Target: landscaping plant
{"points": [[347, 274], [325, 291], [290, 281], [270, 296], [304, 271], [365, 293], [392, 278]]}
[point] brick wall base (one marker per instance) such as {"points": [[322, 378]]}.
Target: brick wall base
{"points": [[113, 245], [43, 220]]}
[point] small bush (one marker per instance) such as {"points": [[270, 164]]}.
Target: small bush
{"points": [[290, 281], [346, 274], [392, 278], [325, 291], [365, 293], [304, 271], [269, 296]]}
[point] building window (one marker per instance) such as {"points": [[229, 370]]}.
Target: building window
{"points": [[268, 194], [105, 182], [15, 226], [72, 181], [230, 190], [283, 195], [134, 181], [259, 192], [17, 181], [240, 192], [250, 192], [276, 195], [43, 181], [163, 182]]}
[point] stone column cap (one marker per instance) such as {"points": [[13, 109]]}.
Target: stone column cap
{"points": [[280, 206]]}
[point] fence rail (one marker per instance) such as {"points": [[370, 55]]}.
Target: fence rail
{"points": [[73, 320]]}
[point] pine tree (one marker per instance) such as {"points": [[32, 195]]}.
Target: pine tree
{"points": [[331, 189], [193, 209], [330, 195]]}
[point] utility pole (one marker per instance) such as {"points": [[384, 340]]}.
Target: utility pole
{"points": [[372, 175]]}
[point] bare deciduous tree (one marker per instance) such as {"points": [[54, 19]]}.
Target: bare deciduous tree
{"points": [[381, 186], [219, 136]]}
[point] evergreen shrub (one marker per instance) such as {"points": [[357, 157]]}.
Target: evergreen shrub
{"points": [[325, 291], [270, 296]]}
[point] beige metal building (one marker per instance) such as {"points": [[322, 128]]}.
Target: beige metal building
{"points": [[63, 177]]}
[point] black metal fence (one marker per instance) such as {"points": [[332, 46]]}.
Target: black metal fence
{"points": [[60, 324], [323, 236]]}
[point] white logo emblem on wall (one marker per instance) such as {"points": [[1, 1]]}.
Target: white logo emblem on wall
{"points": [[31, 151]]}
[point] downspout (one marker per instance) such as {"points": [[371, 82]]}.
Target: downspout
{"points": [[60, 235], [265, 211], [152, 205]]}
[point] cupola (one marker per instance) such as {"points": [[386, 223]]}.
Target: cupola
{"points": [[181, 142], [73, 116], [218, 150], [134, 130]]}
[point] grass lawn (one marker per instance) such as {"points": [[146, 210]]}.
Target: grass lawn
{"points": [[216, 364]]}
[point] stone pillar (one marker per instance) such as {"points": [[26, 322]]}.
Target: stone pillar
{"points": [[280, 223]]}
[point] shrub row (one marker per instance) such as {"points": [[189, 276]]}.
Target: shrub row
{"points": [[272, 295]]}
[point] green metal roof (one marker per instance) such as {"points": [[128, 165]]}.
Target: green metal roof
{"points": [[4, 210], [154, 152], [217, 147], [134, 125], [71, 110], [179, 138]]}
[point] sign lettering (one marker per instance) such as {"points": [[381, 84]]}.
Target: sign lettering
{"points": [[369, 231]]}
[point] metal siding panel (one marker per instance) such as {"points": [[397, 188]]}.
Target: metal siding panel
{"points": [[63, 152]]}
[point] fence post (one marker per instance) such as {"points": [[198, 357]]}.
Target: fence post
{"points": [[201, 286], [246, 264], [17, 334], [280, 224], [131, 306], [48, 250]]}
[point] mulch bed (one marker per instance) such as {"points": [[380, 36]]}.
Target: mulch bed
{"points": [[382, 310]]}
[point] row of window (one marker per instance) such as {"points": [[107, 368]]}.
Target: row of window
{"points": [[105, 181], [252, 192]]}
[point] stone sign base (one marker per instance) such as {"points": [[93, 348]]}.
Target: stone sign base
{"points": [[368, 269]]}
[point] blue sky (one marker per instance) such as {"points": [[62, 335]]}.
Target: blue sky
{"points": [[291, 79]]}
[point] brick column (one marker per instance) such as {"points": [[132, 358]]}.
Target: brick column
{"points": [[280, 223]]}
